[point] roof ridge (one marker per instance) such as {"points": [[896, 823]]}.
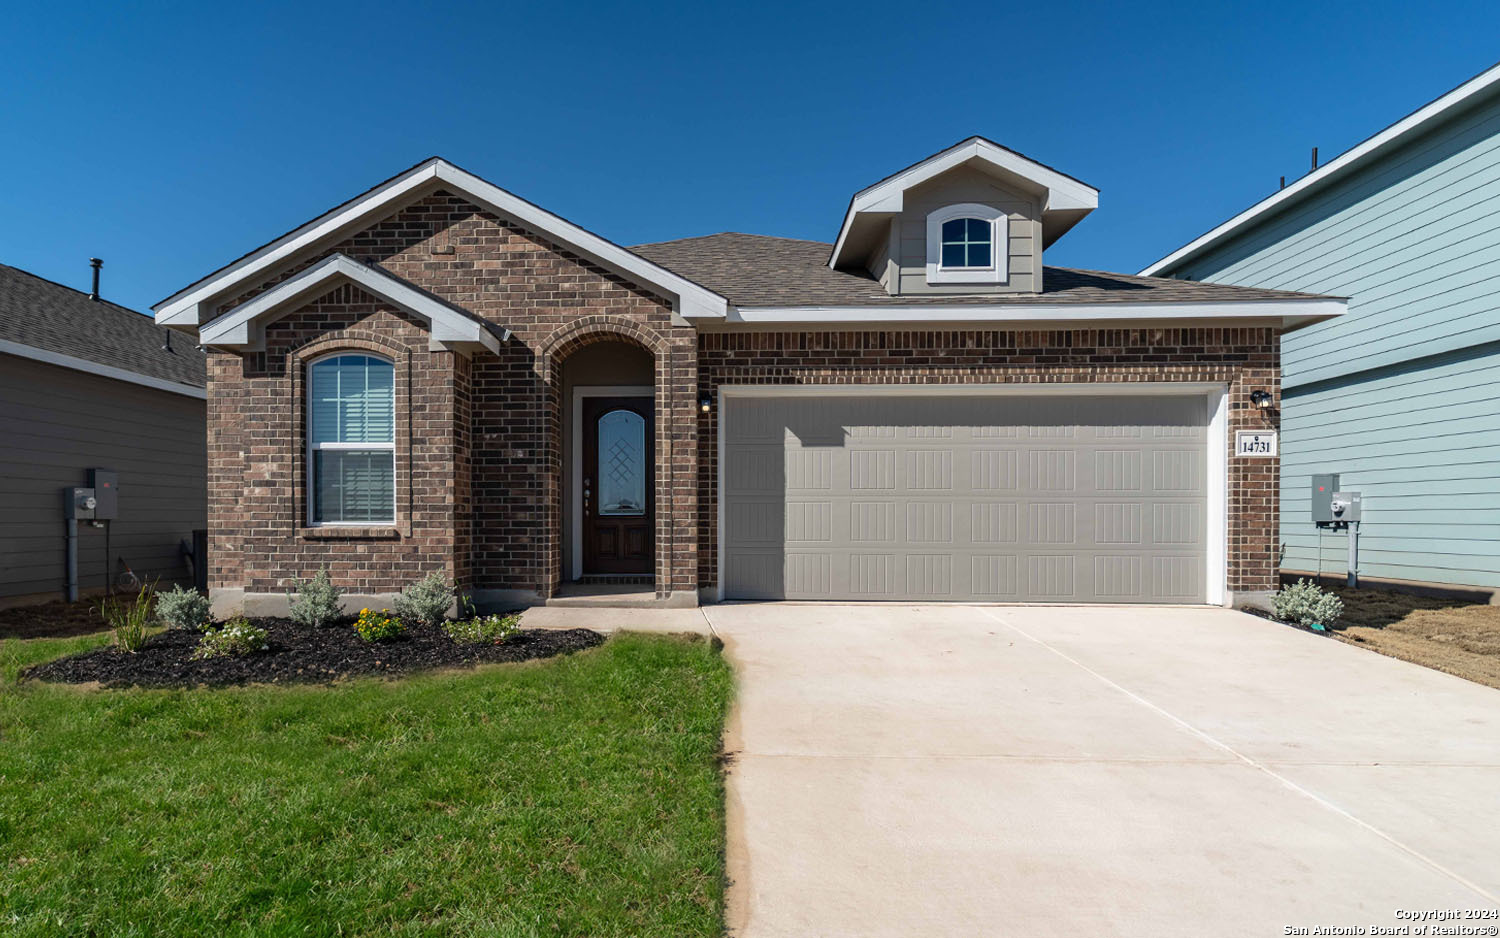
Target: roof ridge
{"points": [[88, 296]]}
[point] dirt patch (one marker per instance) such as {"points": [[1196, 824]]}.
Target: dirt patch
{"points": [[299, 655], [1445, 634], [55, 619]]}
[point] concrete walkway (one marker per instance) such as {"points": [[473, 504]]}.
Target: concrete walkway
{"points": [[961, 770]]}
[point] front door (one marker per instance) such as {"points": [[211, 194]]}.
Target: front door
{"points": [[619, 481]]}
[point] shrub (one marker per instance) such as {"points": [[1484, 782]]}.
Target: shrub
{"points": [[237, 637], [127, 618], [316, 602], [480, 630], [1306, 605], [427, 601], [378, 626], [182, 608]]}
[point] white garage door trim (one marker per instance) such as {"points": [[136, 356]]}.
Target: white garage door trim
{"points": [[1217, 463]]}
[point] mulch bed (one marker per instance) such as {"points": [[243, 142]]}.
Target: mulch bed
{"points": [[299, 655], [54, 620]]}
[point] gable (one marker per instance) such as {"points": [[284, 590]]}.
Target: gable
{"points": [[1063, 200], [198, 302]]}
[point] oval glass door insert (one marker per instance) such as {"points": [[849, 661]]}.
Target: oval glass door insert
{"points": [[622, 463]]}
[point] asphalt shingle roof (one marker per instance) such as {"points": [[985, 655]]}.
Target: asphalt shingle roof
{"points": [[55, 318], [758, 270]]}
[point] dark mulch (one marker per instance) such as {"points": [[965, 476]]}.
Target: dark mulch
{"points": [[299, 655], [54, 620]]}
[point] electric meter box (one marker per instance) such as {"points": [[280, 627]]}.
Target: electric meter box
{"points": [[78, 503], [1323, 487], [1345, 506], [106, 486]]}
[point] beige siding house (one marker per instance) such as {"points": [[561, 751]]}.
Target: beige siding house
{"points": [[86, 384]]}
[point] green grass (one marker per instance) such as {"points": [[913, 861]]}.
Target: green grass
{"points": [[577, 796]]}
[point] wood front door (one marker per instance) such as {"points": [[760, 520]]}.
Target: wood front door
{"points": [[619, 485]]}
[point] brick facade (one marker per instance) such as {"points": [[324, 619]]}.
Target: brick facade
{"points": [[479, 441], [1246, 359]]}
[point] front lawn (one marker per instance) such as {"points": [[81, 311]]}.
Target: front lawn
{"points": [[580, 795]]}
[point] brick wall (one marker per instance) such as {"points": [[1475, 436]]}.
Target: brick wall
{"points": [[1248, 359], [480, 461], [498, 415]]}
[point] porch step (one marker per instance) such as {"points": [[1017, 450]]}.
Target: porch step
{"points": [[617, 595]]}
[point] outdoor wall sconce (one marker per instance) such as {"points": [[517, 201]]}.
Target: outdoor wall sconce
{"points": [[1261, 399], [706, 403]]}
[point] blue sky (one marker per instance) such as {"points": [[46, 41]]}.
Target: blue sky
{"points": [[172, 139]]}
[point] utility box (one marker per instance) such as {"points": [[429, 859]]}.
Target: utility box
{"points": [[106, 486], [1345, 506], [78, 503], [1323, 487]]}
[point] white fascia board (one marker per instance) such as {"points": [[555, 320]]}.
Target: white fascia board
{"points": [[1290, 312], [1063, 192], [187, 306], [244, 326], [1393, 135], [104, 371]]}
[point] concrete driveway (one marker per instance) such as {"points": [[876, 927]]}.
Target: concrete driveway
{"points": [[1032, 771]]}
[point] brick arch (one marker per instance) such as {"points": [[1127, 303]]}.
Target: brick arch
{"points": [[553, 351], [589, 330]]}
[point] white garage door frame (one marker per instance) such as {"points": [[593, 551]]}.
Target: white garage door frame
{"points": [[1217, 395]]}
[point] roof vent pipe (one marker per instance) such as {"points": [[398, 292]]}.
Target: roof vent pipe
{"points": [[95, 263], [1283, 183], [1315, 158]]}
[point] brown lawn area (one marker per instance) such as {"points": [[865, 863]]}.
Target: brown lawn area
{"points": [[1450, 635]]}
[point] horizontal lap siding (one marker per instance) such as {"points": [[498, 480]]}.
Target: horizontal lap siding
{"points": [[56, 424], [1414, 241], [1400, 395], [1423, 446]]}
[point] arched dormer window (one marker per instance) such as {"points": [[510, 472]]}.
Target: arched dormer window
{"points": [[967, 244], [351, 440]]}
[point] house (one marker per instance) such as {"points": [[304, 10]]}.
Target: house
{"points": [[438, 375], [89, 385], [1397, 397]]}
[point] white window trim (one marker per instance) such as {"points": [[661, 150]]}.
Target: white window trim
{"points": [[997, 272], [312, 448]]}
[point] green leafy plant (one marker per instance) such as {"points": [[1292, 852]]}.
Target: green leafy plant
{"points": [[427, 601], [378, 625], [182, 608], [127, 618], [483, 630], [316, 602], [1307, 605], [237, 637]]}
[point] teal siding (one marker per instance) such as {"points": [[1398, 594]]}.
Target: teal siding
{"points": [[1422, 442], [1413, 240], [1401, 395]]}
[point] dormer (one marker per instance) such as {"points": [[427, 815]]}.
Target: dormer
{"points": [[970, 220]]}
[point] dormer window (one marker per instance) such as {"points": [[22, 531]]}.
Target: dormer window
{"points": [[967, 244]]}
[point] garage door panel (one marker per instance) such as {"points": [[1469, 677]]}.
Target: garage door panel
{"points": [[1097, 499]]}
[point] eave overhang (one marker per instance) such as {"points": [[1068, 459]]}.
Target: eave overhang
{"points": [[196, 303], [243, 328], [1286, 314], [1065, 200]]}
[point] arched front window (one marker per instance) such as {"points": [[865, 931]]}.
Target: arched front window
{"points": [[351, 433], [967, 243]]}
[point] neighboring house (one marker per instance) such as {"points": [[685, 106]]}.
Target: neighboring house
{"points": [[440, 376], [86, 384], [1400, 396]]}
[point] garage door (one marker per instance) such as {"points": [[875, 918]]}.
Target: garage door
{"points": [[1000, 498]]}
